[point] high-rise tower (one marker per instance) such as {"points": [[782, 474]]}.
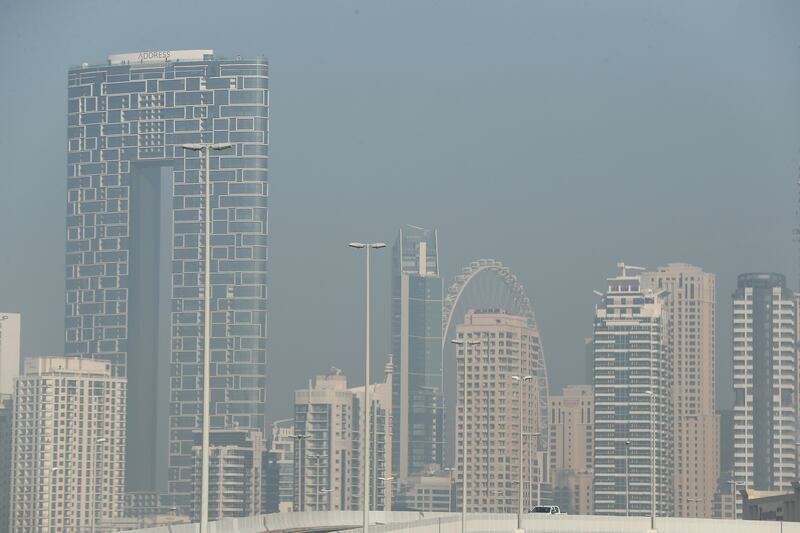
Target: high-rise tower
{"points": [[134, 282], [69, 446], [328, 457], [764, 383], [489, 432], [632, 399], [571, 448], [416, 343], [689, 306]]}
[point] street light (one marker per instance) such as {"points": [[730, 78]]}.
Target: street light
{"points": [[733, 494], [652, 396], [207, 147], [326, 491], [695, 501], [521, 380], [502, 493], [627, 478], [530, 468], [464, 344], [797, 460], [98, 442], [375, 492], [317, 460], [301, 493], [52, 505], [487, 441], [367, 407], [452, 471]]}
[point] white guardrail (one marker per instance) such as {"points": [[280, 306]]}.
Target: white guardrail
{"points": [[417, 522]]}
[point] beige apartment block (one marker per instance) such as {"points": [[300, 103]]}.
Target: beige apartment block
{"points": [[571, 415], [68, 470], [426, 494], [329, 450], [234, 473], [690, 310], [507, 347], [380, 456], [323, 424]]}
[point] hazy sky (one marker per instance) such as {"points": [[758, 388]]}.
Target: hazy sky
{"points": [[559, 137]]}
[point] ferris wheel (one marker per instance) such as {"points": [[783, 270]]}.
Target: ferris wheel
{"points": [[488, 283]]}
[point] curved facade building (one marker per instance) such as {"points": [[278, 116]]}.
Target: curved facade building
{"points": [[502, 413], [134, 257]]}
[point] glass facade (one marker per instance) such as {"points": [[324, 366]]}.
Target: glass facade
{"points": [[134, 254], [416, 342]]}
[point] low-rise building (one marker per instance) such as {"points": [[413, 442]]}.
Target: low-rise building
{"points": [[427, 493], [139, 504], [772, 505]]}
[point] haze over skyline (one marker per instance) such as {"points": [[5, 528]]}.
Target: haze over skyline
{"points": [[557, 138]]}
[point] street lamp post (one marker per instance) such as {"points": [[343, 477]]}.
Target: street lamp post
{"points": [[521, 380], [530, 467], [316, 480], [539, 468], [531, 444], [97, 443], [487, 443], [207, 147], [797, 459], [503, 499], [328, 492], [453, 472], [464, 344], [367, 407], [375, 492], [696, 502], [53, 506], [733, 485], [301, 493], [652, 396], [627, 478]]}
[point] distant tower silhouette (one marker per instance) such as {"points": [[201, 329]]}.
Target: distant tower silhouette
{"points": [[796, 230]]}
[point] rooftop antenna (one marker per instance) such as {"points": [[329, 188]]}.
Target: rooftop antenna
{"points": [[625, 268]]}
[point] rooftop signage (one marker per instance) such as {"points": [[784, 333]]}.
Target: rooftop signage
{"points": [[158, 56]]}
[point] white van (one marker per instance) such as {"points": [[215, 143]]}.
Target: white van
{"points": [[546, 509]]}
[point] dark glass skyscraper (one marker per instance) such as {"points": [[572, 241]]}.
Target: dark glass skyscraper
{"points": [[764, 383], [416, 342], [134, 257]]}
